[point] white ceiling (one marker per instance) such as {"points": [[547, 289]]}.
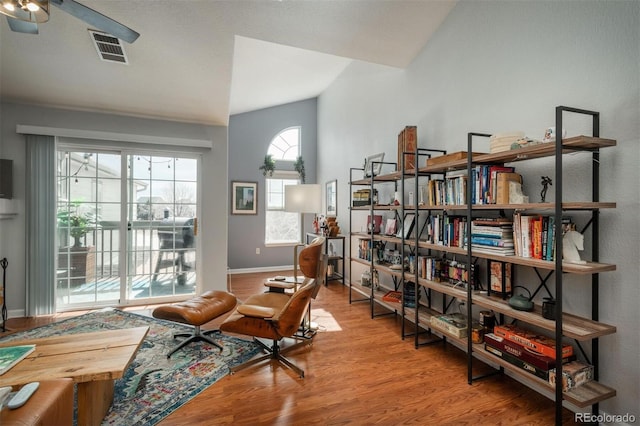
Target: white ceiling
{"points": [[201, 60]]}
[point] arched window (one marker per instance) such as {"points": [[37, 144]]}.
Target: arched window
{"points": [[282, 227], [286, 145]]}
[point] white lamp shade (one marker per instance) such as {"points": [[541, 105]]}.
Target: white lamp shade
{"points": [[305, 198]]}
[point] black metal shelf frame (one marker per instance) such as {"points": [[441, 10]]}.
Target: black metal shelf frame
{"points": [[593, 224]]}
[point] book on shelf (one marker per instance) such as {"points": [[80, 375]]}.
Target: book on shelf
{"points": [[542, 362], [492, 242], [407, 142], [518, 362], [500, 251], [11, 355], [536, 343], [492, 221]]}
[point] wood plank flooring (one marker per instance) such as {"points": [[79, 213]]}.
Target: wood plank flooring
{"points": [[358, 370]]}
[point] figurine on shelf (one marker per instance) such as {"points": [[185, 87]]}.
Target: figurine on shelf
{"points": [[571, 243], [546, 181]]}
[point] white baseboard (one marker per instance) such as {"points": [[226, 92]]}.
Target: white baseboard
{"points": [[16, 313], [261, 269]]}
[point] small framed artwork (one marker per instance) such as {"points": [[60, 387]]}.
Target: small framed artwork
{"points": [[390, 227], [332, 198], [373, 164], [244, 197], [407, 226]]}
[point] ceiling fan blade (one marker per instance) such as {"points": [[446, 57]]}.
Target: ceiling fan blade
{"points": [[97, 19], [22, 26]]}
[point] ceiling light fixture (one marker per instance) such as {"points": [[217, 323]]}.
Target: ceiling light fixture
{"points": [[36, 11]]}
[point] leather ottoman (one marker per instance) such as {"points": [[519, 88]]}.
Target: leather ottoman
{"points": [[50, 404], [197, 312]]}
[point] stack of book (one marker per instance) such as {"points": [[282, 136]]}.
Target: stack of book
{"points": [[529, 351], [493, 235]]}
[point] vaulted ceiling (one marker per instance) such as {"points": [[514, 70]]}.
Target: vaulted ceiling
{"points": [[201, 61]]}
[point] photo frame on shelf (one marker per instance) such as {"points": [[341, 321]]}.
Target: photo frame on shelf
{"points": [[407, 226], [332, 198], [370, 167], [244, 197], [390, 227]]}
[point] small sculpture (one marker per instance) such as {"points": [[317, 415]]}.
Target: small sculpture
{"points": [[546, 181], [571, 243]]}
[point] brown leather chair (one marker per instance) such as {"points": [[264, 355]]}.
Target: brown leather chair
{"points": [[276, 316]]}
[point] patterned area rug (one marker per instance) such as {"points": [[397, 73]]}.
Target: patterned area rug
{"points": [[154, 386]]}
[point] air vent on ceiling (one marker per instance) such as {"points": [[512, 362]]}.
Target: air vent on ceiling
{"points": [[108, 47]]}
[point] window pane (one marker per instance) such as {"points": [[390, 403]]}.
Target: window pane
{"points": [[282, 227], [286, 145]]}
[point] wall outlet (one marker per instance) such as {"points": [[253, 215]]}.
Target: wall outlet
{"points": [[257, 250]]}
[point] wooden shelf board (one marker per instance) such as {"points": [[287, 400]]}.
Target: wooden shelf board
{"points": [[533, 207], [376, 207], [574, 268], [573, 144], [573, 326], [459, 293], [582, 396]]}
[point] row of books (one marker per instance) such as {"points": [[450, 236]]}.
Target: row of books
{"points": [[364, 249], [446, 270], [534, 235], [446, 230], [447, 192], [490, 184]]}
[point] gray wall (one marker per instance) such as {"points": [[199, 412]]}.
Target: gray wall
{"points": [[249, 137], [214, 173], [497, 66]]}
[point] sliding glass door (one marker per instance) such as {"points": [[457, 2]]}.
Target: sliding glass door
{"points": [[127, 228]]}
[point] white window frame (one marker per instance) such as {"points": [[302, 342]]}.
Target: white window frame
{"points": [[274, 145], [285, 175]]}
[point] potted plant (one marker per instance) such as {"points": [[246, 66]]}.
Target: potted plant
{"points": [[299, 167], [268, 166], [78, 260]]}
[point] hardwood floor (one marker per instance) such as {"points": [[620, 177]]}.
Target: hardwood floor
{"points": [[358, 371]]}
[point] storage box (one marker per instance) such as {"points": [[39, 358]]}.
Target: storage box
{"points": [[455, 156], [539, 344], [574, 374], [454, 324]]}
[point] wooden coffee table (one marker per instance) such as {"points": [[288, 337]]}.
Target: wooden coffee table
{"points": [[93, 360]]}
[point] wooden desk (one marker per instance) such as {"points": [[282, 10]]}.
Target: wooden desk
{"points": [[93, 360]]}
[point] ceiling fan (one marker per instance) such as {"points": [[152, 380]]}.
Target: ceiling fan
{"points": [[25, 15]]}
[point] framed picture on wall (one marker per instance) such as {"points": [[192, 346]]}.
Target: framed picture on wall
{"points": [[332, 198], [244, 197]]}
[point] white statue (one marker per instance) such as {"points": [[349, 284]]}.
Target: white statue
{"points": [[571, 243]]}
